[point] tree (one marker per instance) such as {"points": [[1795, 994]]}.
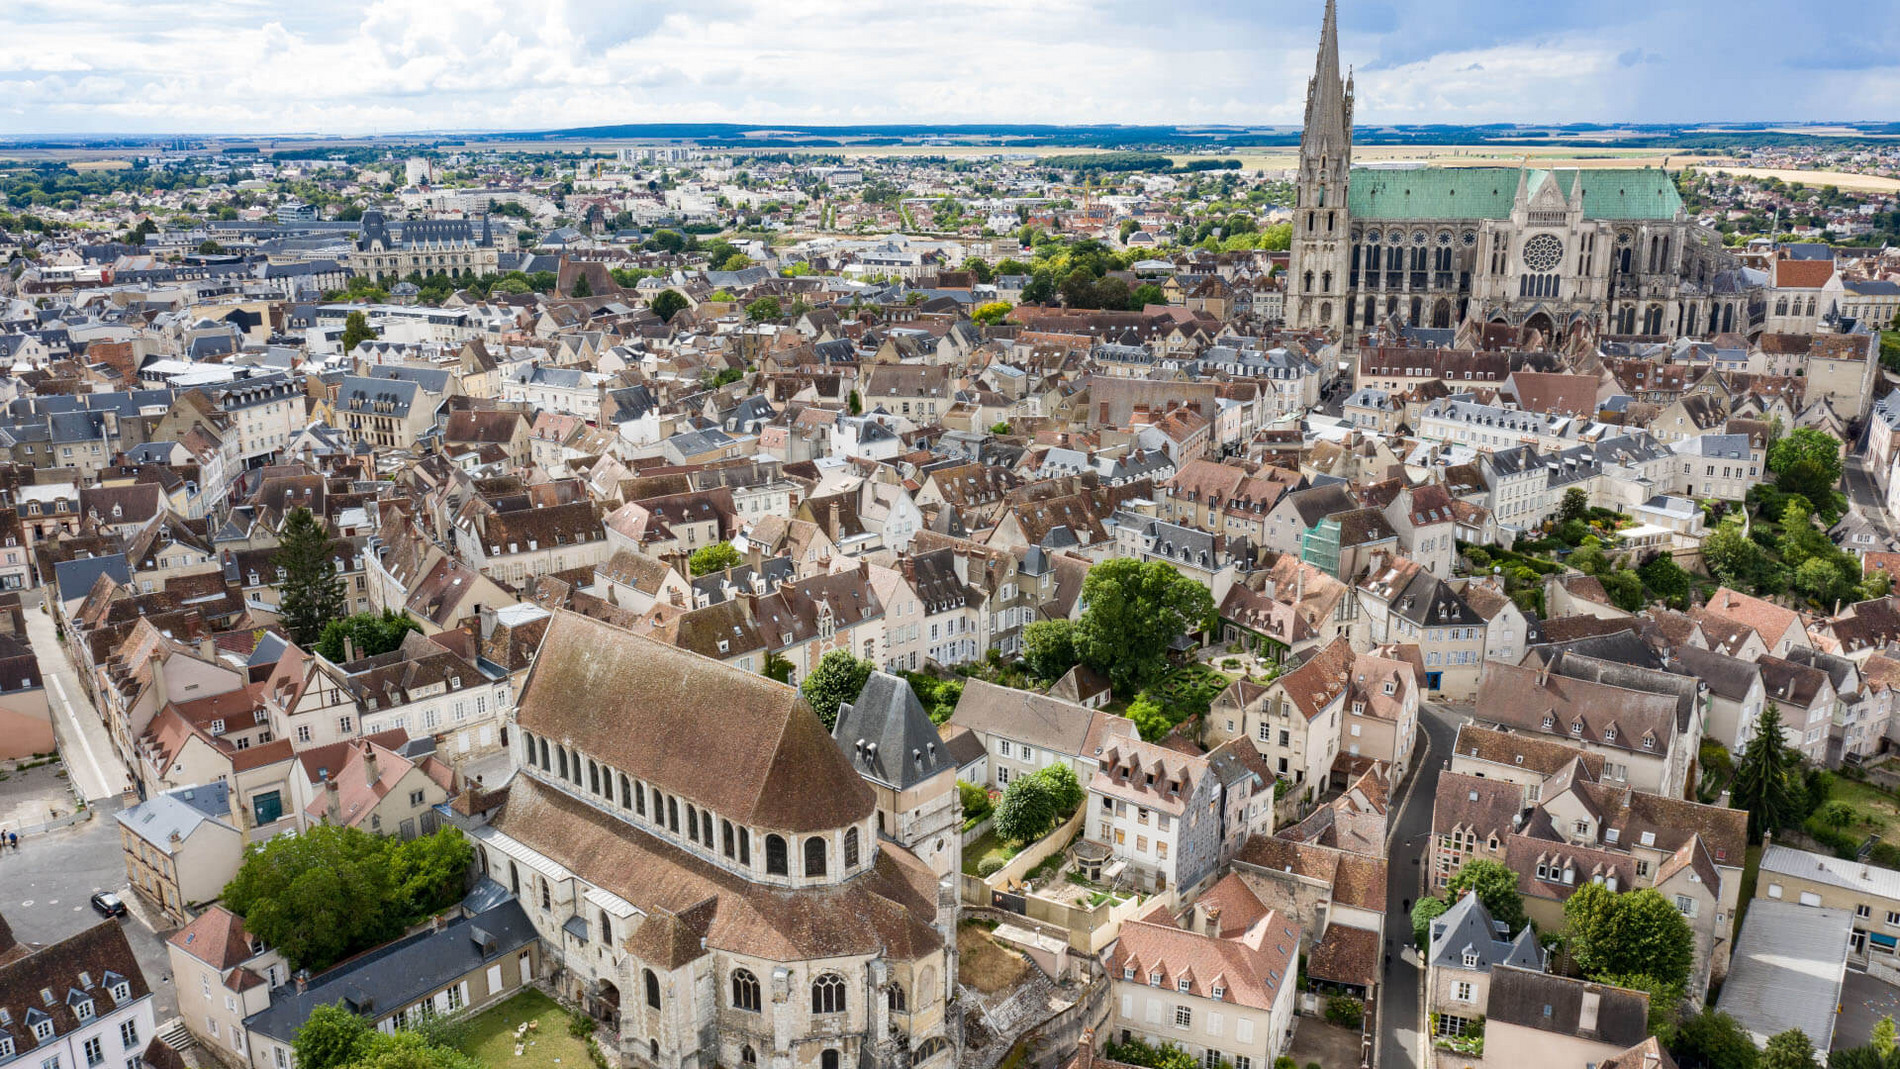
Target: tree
{"points": [[1049, 648], [582, 288], [1788, 1050], [777, 668], [409, 1049], [1715, 1040], [1134, 611], [1144, 295], [1151, 720], [330, 1037], [1637, 933], [980, 269], [990, 313], [318, 896], [370, 633], [1667, 580], [1112, 293], [1064, 789], [763, 309], [310, 594], [668, 303], [1807, 444], [838, 679], [1765, 778], [1883, 1039], [1625, 589], [1026, 811], [1424, 912], [426, 873], [356, 331], [1576, 505], [738, 261], [854, 404], [714, 558], [1495, 886]]}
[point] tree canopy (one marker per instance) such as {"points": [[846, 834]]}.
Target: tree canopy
{"points": [[370, 633], [1049, 648], [356, 331], [838, 678], [668, 303], [1495, 886], [1766, 778], [311, 593], [1635, 933], [714, 558], [331, 891], [1135, 610]]}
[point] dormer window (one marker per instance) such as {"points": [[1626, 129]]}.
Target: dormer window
{"points": [[1219, 992], [82, 1009], [43, 1029], [121, 991], [1550, 722], [1128, 972], [1154, 978], [1576, 727], [1471, 959], [1182, 986], [1649, 742], [1609, 734]]}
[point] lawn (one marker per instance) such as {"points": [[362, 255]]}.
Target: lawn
{"points": [[1877, 810], [1188, 690], [490, 1035], [986, 846]]}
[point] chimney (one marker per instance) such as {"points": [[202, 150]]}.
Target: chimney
{"points": [[834, 532], [208, 649], [349, 649], [370, 773], [1210, 916], [1085, 1050], [332, 801], [158, 678], [303, 979]]}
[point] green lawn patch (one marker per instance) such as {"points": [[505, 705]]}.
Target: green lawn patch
{"points": [[987, 846], [489, 1037], [1877, 811]]}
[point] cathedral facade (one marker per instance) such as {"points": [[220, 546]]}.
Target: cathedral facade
{"points": [[1607, 251]]}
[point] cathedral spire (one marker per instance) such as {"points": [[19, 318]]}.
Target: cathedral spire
{"points": [[1328, 106]]}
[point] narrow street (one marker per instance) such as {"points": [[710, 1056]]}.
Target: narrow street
{"points": [[84, 742], [1864, 493], [1399, 1026]]}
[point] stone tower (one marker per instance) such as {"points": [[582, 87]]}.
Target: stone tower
{"points": [[1316, 284]]}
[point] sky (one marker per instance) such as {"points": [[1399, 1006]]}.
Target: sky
{"points": [[394, 66]]}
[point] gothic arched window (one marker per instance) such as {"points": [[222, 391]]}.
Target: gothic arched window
{"points": [[653, 989], [745, 990], [827, 994]]}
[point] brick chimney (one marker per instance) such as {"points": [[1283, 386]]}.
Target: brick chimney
{"points": [[332, 801], [371, 774], [158, 679]]}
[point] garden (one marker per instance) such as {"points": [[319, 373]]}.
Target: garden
{"points": [[529, 1030]]}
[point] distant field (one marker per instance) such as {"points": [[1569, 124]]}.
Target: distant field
{"points": [[101, 165], [1868, 183]]}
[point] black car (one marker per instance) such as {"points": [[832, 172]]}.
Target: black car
{"points": [[108, 904]]}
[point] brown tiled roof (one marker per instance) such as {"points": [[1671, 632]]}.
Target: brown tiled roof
{"points": [[888, 909], [1345, 955], [1250, 969], [1544, 756], [617, 697], [215, 937], [100, 952]]}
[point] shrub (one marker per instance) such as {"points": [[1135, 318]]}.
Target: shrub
{"points": [[1841, 843], [1285, 1061], [976, 800], [579, 1025], [1345, 1012], [990, 866]]}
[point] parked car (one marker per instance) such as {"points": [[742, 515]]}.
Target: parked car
{"points": [[108, 904]]}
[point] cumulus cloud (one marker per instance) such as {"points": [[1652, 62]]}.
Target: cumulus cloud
{"points": [[379, 66]]}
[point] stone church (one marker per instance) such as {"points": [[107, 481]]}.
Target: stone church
{"points": [[1599, 251]]}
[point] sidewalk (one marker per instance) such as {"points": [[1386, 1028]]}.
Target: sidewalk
{"points": [[84, 742]]}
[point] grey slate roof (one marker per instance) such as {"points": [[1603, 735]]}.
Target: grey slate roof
{"points": [[1467, 927], [398, 974], [180, 810], [1787, 970], [888, 737], [75, 577]]}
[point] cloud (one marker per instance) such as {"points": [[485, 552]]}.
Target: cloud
{"points": [[380, 66]]}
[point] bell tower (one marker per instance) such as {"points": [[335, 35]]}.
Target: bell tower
{"points": [[1316, 284]]}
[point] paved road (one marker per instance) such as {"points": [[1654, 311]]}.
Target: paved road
{"points": [[45, 884], [1398, 995], [84, 742], [1865, 495]]}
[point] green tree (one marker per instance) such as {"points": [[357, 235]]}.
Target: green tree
{"points": [[1883, 1040], [1495, 886], [1625, 589], [1026, 811], [980, 270], [1667, 580], [1153, 1056], [1151, 720], [1767, 782], [1788, 1050], [763, 309], [427, 872], [1636, 933], [991, 313], [1715, 1040], [777, 668], [668, 303], [1424, 912], [714, 558], [356, 331], [838, 679], [311, 593], [1144, 295], [1807, 444], [371, 633], [582, 288], [1134, 611], [1064, 789], [1589, 557], [317, 897], [1049, 648], [409, 1049], [331, 1037], [1575, 506], [738, 261]]}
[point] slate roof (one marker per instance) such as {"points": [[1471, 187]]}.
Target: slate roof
{"points": [[1554, 1004], [888, 737]]}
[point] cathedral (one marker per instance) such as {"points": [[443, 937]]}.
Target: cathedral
{"points": [[1595, 251]]}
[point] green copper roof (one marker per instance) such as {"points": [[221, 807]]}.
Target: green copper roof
{"points": [[1488, 192]]}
